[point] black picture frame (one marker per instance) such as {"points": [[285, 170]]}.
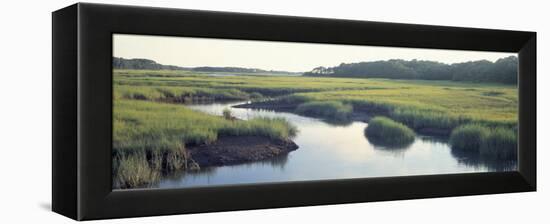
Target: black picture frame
{"points": [[82, 111]]}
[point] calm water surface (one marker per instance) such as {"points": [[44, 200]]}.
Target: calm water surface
{"points": [[329, 151]]}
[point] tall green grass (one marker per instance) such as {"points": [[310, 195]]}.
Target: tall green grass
{"points": [[500, 144], [495, 143], [274, 128], [386, 132], [421, 119], [326, 109], [133, 171], [469, 137]]}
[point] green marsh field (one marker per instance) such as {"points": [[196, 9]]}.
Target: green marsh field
{"points": [[156, 134]]}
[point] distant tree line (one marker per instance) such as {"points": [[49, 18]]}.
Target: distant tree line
{"points": [[504, 70], [140, 63], [227, 69], [239, 70]]}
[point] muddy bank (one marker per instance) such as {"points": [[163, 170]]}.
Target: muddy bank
{"points": [[232, 150]]}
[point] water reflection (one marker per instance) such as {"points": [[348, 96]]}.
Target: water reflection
{"points": [[475, 159], [434, 139], [392, 148], [385, 146], [208, 173], [278, 162], [338, 122]]}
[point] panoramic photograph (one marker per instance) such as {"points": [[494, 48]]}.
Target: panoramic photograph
{"points": [[195, 112]]}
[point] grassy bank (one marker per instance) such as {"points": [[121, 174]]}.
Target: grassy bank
{"points": [[333, 110], [159, 132], [494, 143], [386, 132]]}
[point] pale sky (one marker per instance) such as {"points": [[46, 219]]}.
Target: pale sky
{"points": [[273, 55]]}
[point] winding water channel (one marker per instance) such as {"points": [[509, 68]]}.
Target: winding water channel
{"points": [[329, 151]]}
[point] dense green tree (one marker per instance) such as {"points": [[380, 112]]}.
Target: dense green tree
{"points": [[503, 70], [140, 63]]}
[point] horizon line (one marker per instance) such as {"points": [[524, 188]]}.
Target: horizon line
{"points": [[275, 70]]}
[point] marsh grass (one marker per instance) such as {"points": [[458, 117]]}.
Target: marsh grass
{"points": [[133, 171], [134, 168], [500, 144], [274, 128], [469, 137], [386, 132], [421, 119], [490, 142], [334, 110]]}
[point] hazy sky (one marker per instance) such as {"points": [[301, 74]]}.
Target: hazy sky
{"points": [[271, 55]]}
